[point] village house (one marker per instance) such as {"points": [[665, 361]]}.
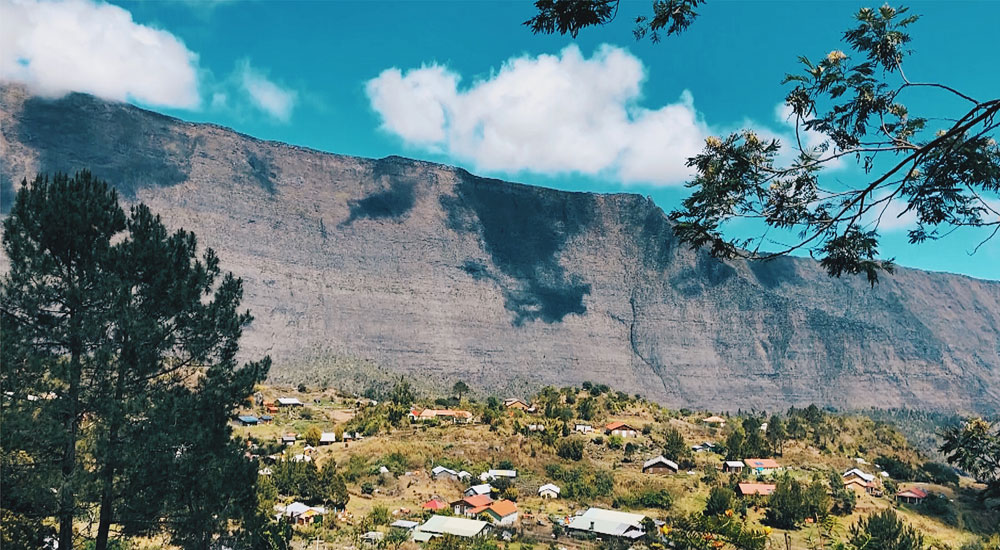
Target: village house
{"points": [[549, 490], [270, 407], [404, 524], [659, 465], [491, 474], [440, 472], [536, 427], [501, 512], [470, 506], [514, 403], [607, 523], [483, 489], [298, 513], [620, 429], [862, 482], [437, 526], [735, 466], [247, 420], [703, 447], [913, 495], [762, 465], [290, 402], [326, 438], [266, 418], [583, 428], [434, 504], [715, 421], [288, 439], [456, 416], [749, 489]]}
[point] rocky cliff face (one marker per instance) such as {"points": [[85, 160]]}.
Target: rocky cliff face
{"points": [[428, 270]]}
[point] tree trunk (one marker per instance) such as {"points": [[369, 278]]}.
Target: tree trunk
{"points": [[111, 458], [67, 496]]}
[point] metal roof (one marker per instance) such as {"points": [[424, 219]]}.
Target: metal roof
{"points": [[450, 525]]}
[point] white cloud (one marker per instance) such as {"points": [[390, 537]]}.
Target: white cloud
{"points": [[265, 94], [58, 46], [550, 114]]}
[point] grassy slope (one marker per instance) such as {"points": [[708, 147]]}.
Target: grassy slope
{"points": [[477, 447]]}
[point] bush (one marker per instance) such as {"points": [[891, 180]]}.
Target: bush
{"points": [[935, 472], [896, 468], [719, 500], [616, 442], [571, 449]]}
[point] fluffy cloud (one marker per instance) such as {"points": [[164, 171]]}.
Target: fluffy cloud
{"points": [[549, 114], [57, 46], [264, 94]]}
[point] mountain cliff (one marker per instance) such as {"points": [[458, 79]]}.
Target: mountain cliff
{"points": [[429, 270]]}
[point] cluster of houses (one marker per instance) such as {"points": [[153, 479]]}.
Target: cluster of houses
{"points": [[452, 415]]}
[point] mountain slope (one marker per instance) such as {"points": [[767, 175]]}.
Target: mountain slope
{"points": [[427, 269]]}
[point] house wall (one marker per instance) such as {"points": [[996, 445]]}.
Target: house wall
{"points": [[659, 470]]}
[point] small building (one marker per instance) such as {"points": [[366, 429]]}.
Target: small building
{"points": [[301, 458], [735, 466], [583, 428], [270, 407], [471, 505], [514, 403], [290, 402], [762, 465], [715, 420], [440, 472], [464, 476], [749, 489], [372, 537], [327, 438], [288, 439], [298, 513], [607, 523], [621, 429], [404, 524], [266, 418], [862, 482], [536, 427], [434, 504], [452, 415], [913, 495], [492, 474], [437, 526], [549, 490], [703, 447], [482, 489], [501, 512], [660, 465], [247, 420]]}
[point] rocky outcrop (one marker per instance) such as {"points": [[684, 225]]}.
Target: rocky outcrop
{"points": [[429, 270]]}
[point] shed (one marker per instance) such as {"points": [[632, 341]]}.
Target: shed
{"points": [[660, 465]]}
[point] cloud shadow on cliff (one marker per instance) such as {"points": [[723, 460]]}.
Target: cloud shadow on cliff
{"points": [[524, 229]]}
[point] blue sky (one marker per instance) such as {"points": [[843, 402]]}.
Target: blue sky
{"points": [[465, 83]]}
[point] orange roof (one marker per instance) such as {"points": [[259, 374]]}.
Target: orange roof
{"points": [[503, 508], [756, 488], [478, 500], [434, 504], [617, 425], [767, 463]]}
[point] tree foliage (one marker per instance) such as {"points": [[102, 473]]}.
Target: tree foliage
{"points": [[941, 165], [108, 316], [885, 531]]}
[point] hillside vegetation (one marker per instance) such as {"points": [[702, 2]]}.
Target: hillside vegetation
{"points": [[386, 472]]}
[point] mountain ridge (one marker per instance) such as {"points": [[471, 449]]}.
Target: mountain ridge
{"points": [[428, 269]]}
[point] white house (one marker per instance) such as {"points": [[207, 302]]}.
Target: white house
{"points": [[440, 472], [437, 526], [583, 428], [610, 523], [290, 402], [483, 489], [621, 429], [301, 514], [327, 438], [493, 474], [549, 490]]}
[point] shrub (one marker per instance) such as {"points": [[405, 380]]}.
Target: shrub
{"points": [[616, 442], [571, 449], [719, 500]]}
